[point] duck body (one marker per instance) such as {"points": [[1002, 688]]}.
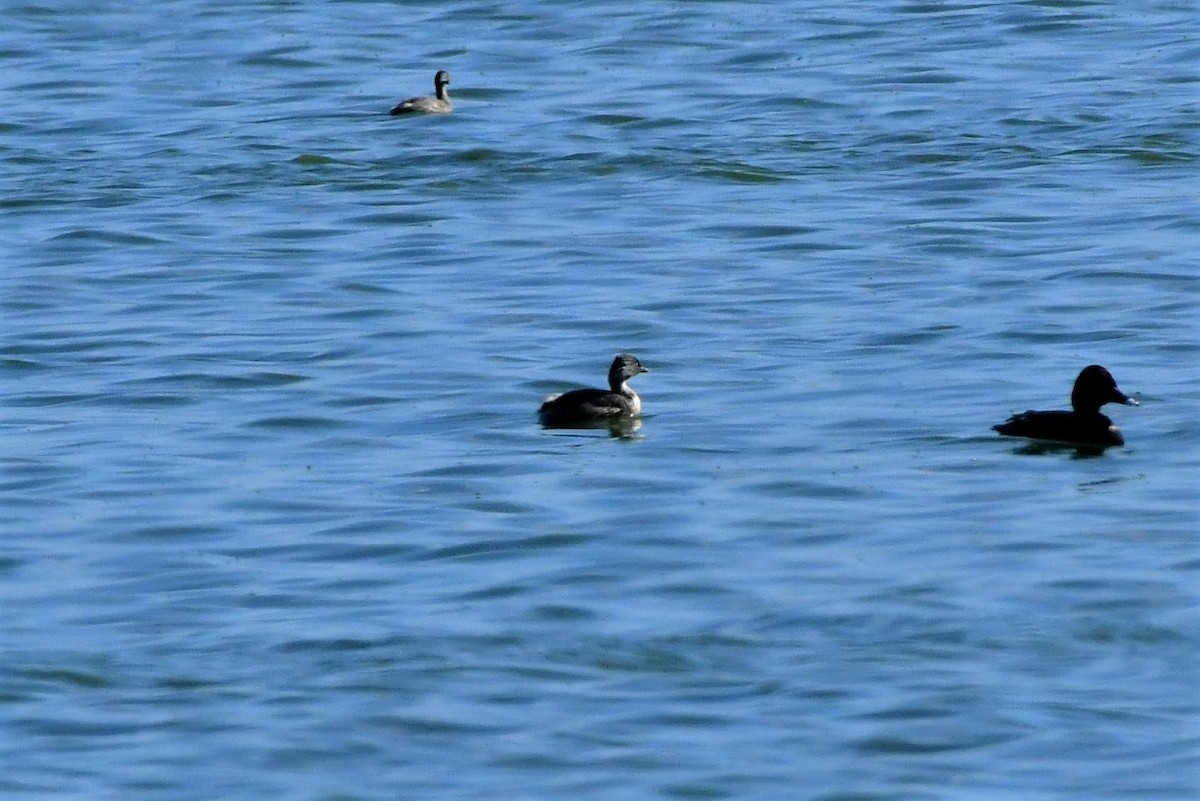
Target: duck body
{"points": [[583, 407], [1063, 426], [1084, 424], [438, 104]]}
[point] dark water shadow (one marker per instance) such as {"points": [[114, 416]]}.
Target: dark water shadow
{"points": [[1077, 450], [618, 429]]}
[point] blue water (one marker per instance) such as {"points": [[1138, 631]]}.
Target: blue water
{"points": [[278, 517]]}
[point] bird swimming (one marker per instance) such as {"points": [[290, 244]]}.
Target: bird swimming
{"points": [[591, 406], [439, 104], [1084, 424]]}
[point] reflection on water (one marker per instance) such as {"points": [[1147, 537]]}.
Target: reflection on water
{"points": [[620, 428], [1043, 448]]}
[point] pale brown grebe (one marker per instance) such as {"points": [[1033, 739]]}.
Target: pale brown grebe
{"points": [[428, 105]]}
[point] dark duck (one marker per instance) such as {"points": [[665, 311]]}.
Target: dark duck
{"points": [[589, 407], [1083, 425]]}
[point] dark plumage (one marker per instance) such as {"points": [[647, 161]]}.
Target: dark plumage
{"points": [[428, 105], [1083, 425], [590, 406]]}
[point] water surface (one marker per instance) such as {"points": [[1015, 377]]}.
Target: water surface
{"points": [[280, 521]]}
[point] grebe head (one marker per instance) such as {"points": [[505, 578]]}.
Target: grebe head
{"points": [[624, 367]]}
